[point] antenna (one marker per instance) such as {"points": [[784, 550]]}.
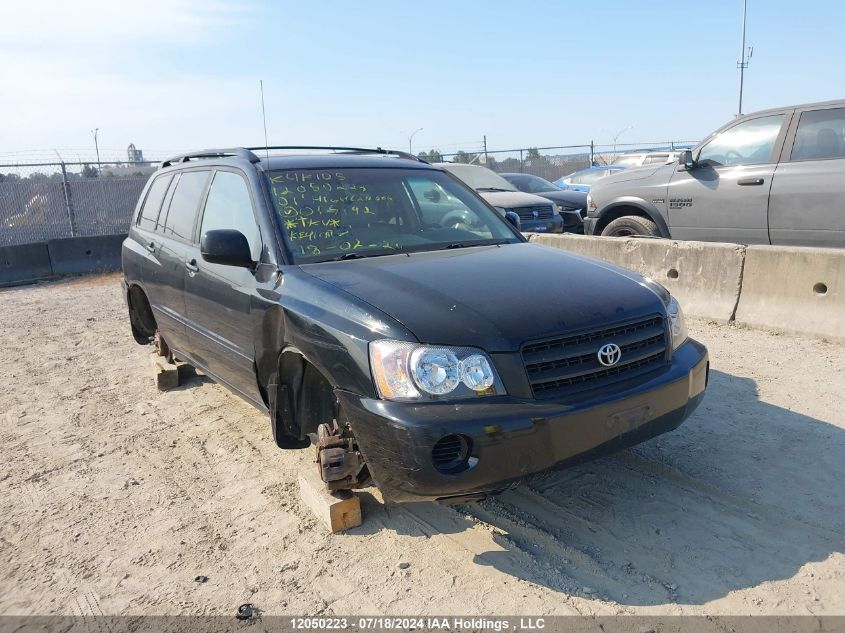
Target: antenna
{"points": [[264, 119]]}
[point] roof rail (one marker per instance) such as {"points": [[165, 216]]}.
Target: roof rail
{"points": [[238, 152], [348, 150]]}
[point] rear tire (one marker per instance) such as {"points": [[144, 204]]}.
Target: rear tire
{"points": [[631, 225]]}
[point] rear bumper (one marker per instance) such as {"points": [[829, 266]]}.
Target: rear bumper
{"points": [[512, 438]]}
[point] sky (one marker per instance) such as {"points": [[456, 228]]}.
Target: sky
{"points": [[182, 74]]}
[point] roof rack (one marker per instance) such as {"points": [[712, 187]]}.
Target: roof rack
{"points": [[238, 152], [348, 150]]}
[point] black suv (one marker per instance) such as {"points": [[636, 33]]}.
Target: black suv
{"points": [[431, 349]]}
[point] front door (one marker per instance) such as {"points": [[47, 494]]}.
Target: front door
{"points": [[219, 298], [725, 197]]}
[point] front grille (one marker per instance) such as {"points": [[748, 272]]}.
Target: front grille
{"points": [[526, 214], [568, 365]]}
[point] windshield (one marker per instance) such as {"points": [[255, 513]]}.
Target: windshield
{"points": [[347, 213], [631, 159], [587, 177], [479, 178], [531, 184]]}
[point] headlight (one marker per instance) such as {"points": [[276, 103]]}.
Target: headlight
{"points": [[501, 210], [407, 371], [676, 323], [677, 326]]}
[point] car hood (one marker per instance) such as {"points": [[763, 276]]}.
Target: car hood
{"points": [[633, 173], [569, 198], [512, 199], [493, 297]]}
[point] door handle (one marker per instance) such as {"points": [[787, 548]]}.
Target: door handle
{"points": [[192, 267], [750, 181]]}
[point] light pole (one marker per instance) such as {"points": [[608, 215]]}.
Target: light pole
{"points": [[742, 64], [411, 140], [96, 146]]}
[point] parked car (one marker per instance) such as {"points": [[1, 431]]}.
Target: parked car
{"points": [[536, 214], [571, 205], [443, 360], [771, 177], [637, 159], [583, 179]]}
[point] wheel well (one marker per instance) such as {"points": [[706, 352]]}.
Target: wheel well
{"points": [[141, 316], [311, 396], [620, 211]]}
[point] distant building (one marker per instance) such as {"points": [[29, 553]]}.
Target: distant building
{"points": [[134, 155]]}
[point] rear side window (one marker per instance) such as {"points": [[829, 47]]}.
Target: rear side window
{"points": [[229, 207], [184, 204], [820, 135], [152, 205]]}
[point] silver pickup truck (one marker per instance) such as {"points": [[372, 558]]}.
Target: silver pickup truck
{"points": [[772, 177]]}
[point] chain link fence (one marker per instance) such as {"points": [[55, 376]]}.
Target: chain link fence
{"points": [[42, 201], [552, 163]]}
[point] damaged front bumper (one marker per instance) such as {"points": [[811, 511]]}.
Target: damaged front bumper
{"points": [[507, 438]]}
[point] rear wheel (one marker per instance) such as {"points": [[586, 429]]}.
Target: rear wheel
{"points": [[631, 225]]}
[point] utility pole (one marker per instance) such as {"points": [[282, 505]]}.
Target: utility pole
{"points": [[485, 149], [411, 140], [742, 64], [96, 146]]}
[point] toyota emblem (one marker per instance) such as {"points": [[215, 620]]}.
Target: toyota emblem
{"points": [[609, 354]]}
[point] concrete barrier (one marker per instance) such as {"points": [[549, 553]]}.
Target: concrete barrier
{"points": [[24, 264], [75, 255], [794, 289], [705, 277]]}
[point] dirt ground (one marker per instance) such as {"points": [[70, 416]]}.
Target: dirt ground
{"points": [[114, 497]]}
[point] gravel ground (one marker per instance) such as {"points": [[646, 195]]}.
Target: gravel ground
{"points": [[115, 497]]}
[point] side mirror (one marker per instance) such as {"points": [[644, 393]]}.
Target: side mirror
{"points": [[686, 159], [227, 247], [513, 218]]}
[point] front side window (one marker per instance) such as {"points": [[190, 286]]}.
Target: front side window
{"points": [[345, 213], [184, 204], [152, 205], [747, 143], [820, 135], [229, 206]]}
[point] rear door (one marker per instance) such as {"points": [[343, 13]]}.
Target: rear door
{"points": [[726, 197], [807, 202], [175, 230], [218, 298]]}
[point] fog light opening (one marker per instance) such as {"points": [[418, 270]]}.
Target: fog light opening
{"points": [[820, 289], [451, 454]]}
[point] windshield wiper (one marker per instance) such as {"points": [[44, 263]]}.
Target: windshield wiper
{"points": [[493, 189], [354, 255], [471, 244]]}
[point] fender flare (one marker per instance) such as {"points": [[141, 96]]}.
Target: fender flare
{"points": [[648, 209]]}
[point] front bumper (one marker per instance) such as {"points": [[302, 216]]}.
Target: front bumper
{"points": [[590, 225], [512, 438]]}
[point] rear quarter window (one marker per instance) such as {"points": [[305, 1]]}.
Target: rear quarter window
{"points": [[184, 204], [152, 204]]}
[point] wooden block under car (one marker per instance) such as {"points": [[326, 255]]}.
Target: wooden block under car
{"points": [[339, 510], [166, 374]]}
